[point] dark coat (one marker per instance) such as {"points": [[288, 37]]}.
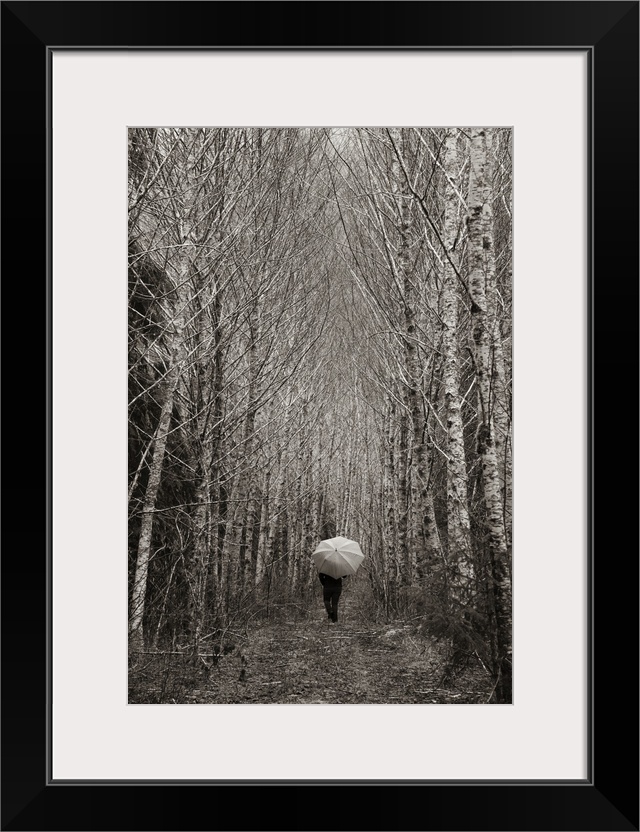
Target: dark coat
{"points": [[328, 582]]}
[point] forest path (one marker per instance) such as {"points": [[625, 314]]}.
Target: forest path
{"points": [[351, 662]]}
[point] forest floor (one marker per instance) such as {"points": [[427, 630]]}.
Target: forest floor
{"points": [[313, 661]]}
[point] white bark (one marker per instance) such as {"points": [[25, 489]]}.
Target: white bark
{"points": [[458, 523], [481, 264]]}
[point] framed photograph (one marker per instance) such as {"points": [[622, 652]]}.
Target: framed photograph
{"points": [[347, 289]]}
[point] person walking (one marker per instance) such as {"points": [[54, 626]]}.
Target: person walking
{"points": [[331, 589]]}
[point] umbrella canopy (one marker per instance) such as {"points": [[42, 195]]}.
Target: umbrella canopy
{"points": [[338, 557]]}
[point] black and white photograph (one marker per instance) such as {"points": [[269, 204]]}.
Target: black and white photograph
{"points": [[320, 415]]}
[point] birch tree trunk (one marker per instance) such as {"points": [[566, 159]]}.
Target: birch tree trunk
{"points": [[501, 391], [407, 278], [481, 263], [264, 529], [197, 568], [236, 535], [458, 523], [390, 548], [403, 504]]}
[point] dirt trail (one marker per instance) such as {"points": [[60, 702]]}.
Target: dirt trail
{"points": [[351, 662]]}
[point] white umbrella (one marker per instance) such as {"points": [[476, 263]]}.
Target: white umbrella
{"points": [[338, 557]]}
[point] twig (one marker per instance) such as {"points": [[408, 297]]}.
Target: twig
{"points": [[420, 652], [493, 689], [484, 667], [174, 653], [434, 690]]}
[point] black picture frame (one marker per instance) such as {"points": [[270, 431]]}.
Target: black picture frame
{"points": [[608, 799]]}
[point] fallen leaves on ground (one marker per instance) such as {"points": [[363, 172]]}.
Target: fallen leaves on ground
{"points": [[316, 662]]}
